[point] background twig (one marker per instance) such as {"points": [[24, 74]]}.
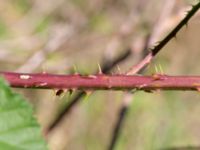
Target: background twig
{"points": [[144, 62]]}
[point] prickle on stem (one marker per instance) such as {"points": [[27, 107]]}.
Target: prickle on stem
{"points": [[158, 77], [59, 92], [100, 70], [88, 93]]}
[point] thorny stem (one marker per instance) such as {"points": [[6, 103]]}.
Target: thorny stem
{"points": [[157, 48], [101, 81], [107, 65]]}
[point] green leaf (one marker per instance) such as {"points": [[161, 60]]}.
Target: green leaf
{"points": [[19, 129]]}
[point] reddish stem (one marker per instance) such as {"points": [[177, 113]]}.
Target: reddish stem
{"points": [[100, 81]]}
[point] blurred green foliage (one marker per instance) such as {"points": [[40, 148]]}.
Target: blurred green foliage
{"points": [[3, 29], [18, 127]]}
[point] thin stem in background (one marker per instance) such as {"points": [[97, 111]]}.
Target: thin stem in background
{"points": [[123, 111], [120, 120], [138, 68], [154, 51]]}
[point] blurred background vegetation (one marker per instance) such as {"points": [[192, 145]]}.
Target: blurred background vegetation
{"points": [[58, 36]]}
